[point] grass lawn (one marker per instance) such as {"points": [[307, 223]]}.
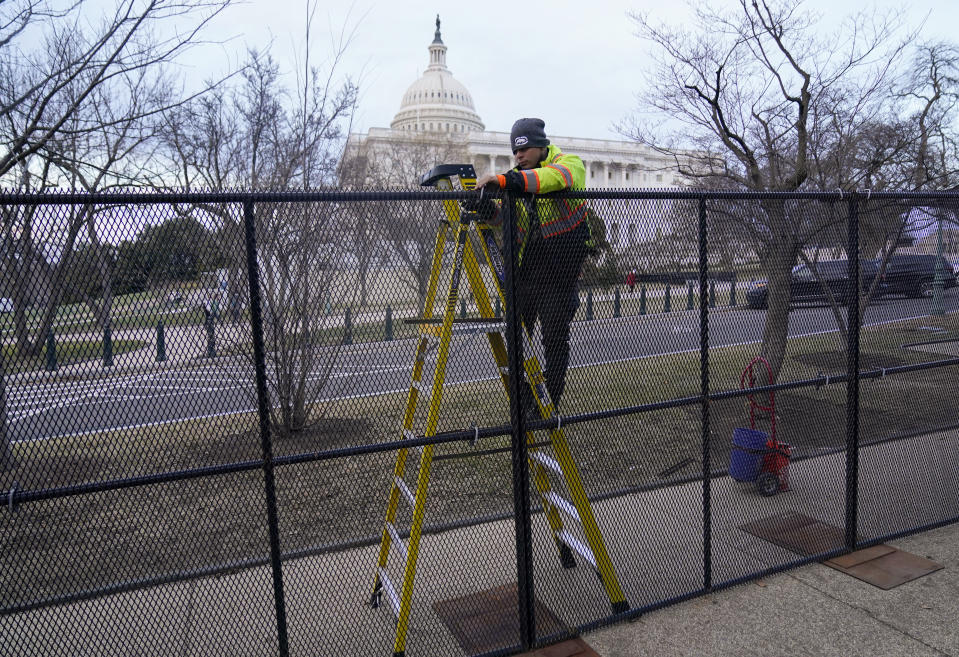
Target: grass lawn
{"points": [[91, 541]]}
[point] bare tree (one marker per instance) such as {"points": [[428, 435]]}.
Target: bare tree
{"points": [[53, 59], [408, 230], [262, 134], [766, 100]]}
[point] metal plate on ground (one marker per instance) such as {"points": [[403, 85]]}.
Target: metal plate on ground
{"points": [[883, 566], [488, 620], [797, 533], [571, 648]]}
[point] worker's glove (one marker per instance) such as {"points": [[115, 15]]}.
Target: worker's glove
{"points": [[484, 208]]}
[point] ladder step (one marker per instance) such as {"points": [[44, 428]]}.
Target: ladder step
{"points": [[546, 460], [479, 327], [395, 541], [577, 546], [563, 505], [407, 493], [390, 591]]}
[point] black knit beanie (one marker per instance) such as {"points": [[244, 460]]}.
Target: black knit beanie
{"points": [[528, 133]]}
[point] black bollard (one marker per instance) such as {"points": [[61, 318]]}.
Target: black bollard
{"points": [[210, 337], [712, 294], [347, 327], [732, 291], [161, 343], [667, 306], [589, 306], [642, 300], [389, 324], [107, 345], [616, 302], [51, 351], [689, 296]]}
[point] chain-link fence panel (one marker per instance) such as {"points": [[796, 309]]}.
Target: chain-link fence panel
{"points": [[692, 421]]}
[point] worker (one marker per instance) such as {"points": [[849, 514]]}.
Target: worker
{"points": [[553, 237]]}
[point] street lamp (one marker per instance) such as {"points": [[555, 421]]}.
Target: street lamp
{"points": [[937, 307]]}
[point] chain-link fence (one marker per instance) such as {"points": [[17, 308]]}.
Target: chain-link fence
{"points": [[205, 396]]}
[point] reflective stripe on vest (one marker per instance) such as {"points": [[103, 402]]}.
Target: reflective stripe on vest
{"points": [[566, 173], [565, 221], [530, 180]]}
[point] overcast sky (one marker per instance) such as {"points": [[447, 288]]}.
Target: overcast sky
{"points": [[576, 64]]}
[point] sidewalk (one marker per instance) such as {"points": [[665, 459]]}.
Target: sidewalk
{"points": [[814, 611], [655, 540]]}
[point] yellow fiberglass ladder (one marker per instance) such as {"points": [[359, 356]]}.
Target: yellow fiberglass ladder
{"points": [[570, 518]]}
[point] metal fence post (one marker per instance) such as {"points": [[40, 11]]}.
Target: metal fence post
{"points": [[521, 501], [704, 392], [161, 343], [852, 385], [388, 333], [263, 404], [107, 344]]}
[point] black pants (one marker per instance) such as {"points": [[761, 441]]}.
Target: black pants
{"points": [[547, 290]]}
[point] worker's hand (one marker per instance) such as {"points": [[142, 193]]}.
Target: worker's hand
{"points": [[483, 207], [488, 179]]}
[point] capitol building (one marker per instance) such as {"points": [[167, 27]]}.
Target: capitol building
{"points": [[438, 110]]}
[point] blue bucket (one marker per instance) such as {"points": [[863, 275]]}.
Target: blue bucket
{"points": [[749, 445]]}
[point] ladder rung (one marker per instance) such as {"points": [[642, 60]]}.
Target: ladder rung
{"points": [[574, 543], [407, 493], [488, 327], [396, 541], [547, 461], [390, 592], [563, 505]]}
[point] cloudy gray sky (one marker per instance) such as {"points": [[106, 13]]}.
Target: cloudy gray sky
{"points": [[575, 63]]}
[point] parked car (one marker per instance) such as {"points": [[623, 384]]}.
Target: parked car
{"points": [[913, 275], [806, 287]]}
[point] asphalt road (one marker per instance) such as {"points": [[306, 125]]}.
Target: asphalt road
{"points": [[41, 411]]}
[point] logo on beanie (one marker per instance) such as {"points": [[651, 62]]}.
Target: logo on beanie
{"points": [[520, 141]]}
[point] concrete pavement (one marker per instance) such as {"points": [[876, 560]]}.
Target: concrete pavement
{"points": [[655, 540]]}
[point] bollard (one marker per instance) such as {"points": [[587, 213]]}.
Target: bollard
{"points": [[732, 291], [589, 305], [210, 337], [689, 296], [348, 327], [498, 312], [642, 300], [712, 294], [462, 308], [389, 324], [616, 302], [161, 343], [51, 351], [107, 345], [667, 306]]}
